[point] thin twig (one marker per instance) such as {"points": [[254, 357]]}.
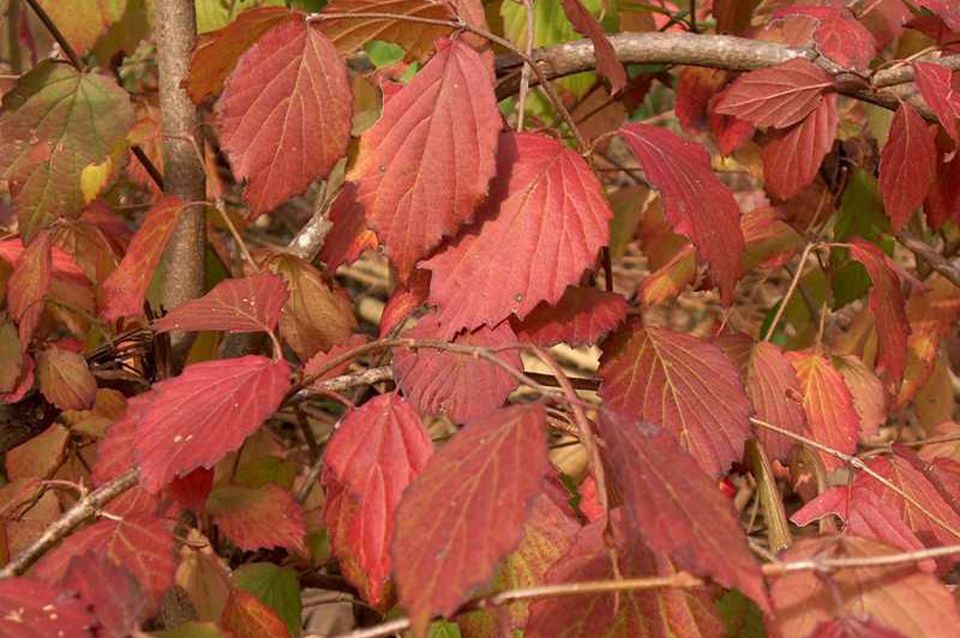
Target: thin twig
{"points": [[931, 256], [786, 298], [525, 72]]}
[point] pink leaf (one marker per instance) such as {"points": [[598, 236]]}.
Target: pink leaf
{"points": [[195, 419], [285, 114], [461, 387], [778, 96], [252, 518], [792, 157], [935, 82], [248, 304], [111, 591], [582, 315], [586, 25], [681, 171], [549, 208], [373, 456], [33, 609], [907, 165], [425, 165]]}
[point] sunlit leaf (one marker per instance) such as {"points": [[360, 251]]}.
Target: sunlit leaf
{"points": [[778, 96]]}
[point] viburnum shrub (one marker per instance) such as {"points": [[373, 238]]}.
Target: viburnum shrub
{"points": [[380, 317]]}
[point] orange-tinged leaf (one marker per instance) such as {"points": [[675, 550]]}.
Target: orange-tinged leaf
{"points": [[81, 23], [241, 514], [195, 419], [680, 170], [888, 307], [372, 457], [126, 287], [285, 113], [28, 286], [140, 543], [869, 396], [770, 241], [547, 203], [247, 304], [217, 53], [461, 387], [774, 391], [681, 383], [405, 300], [792, 157], [832, 417], [582, 315], [65, 379], [778, 96], [246, 617], [935, 82], [587, 25], [11, 357], [425, 165], [900, 597], [907, 165], [670, 279], [676, 506], [34, 609], [487, 477], [415, 38]]}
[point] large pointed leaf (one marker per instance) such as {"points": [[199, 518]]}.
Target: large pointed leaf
{"points": [[126, 287], [888, 306], [240, 513], [247, 304], [831, 414], [907, 165], [676, 507], [774, 391], [54, 124], [549, 209], [792, 157], [681, 383], [373, 456], [897, 596], [28, 286], [680, 170], [663, 613], [34, 609], [461, 387], [194, 419], [487, 477], [582, 315], [416, 38], [286, 113], [140, 543], [424, 166], [778, 96]]}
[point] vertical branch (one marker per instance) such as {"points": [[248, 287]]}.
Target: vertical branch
{"points": [[13, 37], [176, 33]]}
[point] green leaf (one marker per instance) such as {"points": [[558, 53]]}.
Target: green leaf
{"points": [[191, 630], [383, 53], [266, 469], [740, 615], [444, 629], [276, 587], [861, 210], [53, 124]]}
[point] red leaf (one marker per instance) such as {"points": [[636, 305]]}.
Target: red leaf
{"points": [[896, 596], [115, 451], [831, 415], [415, 38], [404, 301], [126, 286], [286, 113], [654, 613], [586, 25], [888, 307], [853, 628], [320, 362], [110, 590], [461, 387], [582, 315], [907, 165], [946, 10], [676, 507], [838, 34], [248, 304], [547, 202], [246, 617], [681, 383], [865, 515], [774, 390], [217, 53], [140, 543], [28, 286], [350, 235], [869, 396], [487, 477], [778, 96], [373, 456], [32, 609], [695, 87], [935, 82], [792, 157], [771, 242], [681, 171], [191, 491], [240, 513], [425, 165], [65, 379], [943, 200], [194, 419]]}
